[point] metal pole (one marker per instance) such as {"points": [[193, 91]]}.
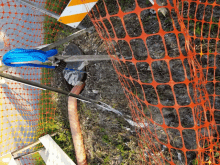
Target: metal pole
{"points": [[40, 9], [28, 146], [72, 58], [30, 153], [49, 88], [69, 38]]}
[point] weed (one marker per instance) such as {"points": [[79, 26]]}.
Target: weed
{"points": [[195, 162], [134, 92], [168, 20], [38, 159], [86, 111], [180, 6], [216, 154], [148, 18], [217, 78], [147, 112], [213, 26], [107, 159], [198, 28], [125, 3], [120, 147], [214, 19], [114, 105], [102, 129], [139, 95], [105, 139], [66, 32]]}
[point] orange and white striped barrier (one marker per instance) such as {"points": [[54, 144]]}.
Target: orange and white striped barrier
{"points": [[75, 11], [72, 15]]}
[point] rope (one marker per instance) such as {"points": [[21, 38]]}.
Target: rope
{"points": [[25, 55]]}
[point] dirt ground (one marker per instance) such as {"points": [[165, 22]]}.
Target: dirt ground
{"points": [[108, 138]]}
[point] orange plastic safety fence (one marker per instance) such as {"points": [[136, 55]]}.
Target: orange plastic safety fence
{"points": [[168, 64], [26, 112]]}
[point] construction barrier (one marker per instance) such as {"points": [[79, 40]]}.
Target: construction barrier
{"points": [[168, 65], [26, 112]]}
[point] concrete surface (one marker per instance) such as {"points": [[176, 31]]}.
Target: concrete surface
{"points": [[18, 102]]}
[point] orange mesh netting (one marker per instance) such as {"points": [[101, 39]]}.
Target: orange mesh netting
{"points": [[26, 112], [169, 69], [167, 65]]}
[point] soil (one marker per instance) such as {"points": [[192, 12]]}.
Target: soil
{"points": [[101, 128], [108, 138]]}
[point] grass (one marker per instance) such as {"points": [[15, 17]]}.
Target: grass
{"points": [[47, 104], [147, 2], [38, 159], [51, 26], [125, 3], [48, 123], [105, 141], [195, 162], [198, 28]]}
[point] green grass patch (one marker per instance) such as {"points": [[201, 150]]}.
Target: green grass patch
{"points": [[46, 105], [51, 25], [38, 159], [195, 162], [48, 123]]}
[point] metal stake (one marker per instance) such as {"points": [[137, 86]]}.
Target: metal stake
{"points": [[69, 38], [69, 58], [40, 9], [72, 58], [18, 79], [28, 146]]}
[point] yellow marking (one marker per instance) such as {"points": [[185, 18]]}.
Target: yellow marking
{"points": [[72, 18], [80, 2]]}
